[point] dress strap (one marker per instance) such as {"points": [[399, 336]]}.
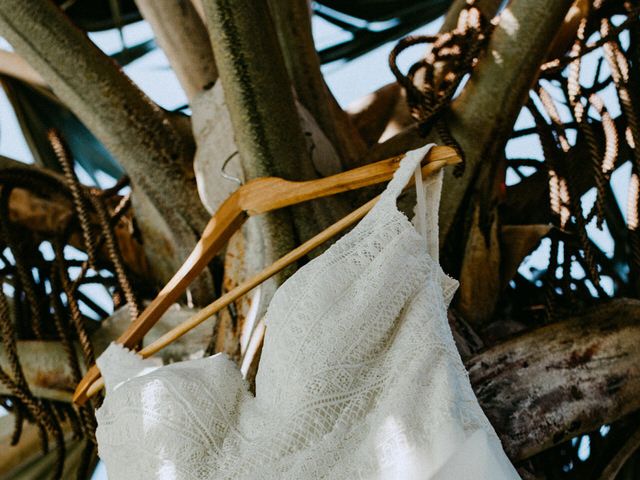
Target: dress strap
{"points": [[432, 188], [420, 218], [403, 174], [428, 192]]}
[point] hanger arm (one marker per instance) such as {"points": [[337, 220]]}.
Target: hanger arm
{"points": [[270, 193], [227, 220], [258, 196], [90, 388]]}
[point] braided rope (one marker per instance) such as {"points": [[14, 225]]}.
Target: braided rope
{"points": [[56, 313], [459, 49]]}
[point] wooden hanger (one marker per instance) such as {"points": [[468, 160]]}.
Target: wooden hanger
{"points": [[258, 196]]}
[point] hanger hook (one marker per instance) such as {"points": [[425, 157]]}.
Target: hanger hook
{"points": [[226, 175]]}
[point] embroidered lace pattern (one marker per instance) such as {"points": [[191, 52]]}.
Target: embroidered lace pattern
{"points": [[359, 377]]}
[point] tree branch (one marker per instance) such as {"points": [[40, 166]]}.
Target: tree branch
{"points": [[482, 117], [561, 380], [263, 113], [155, 153], [183, 37], [256, 88], [292, 21]]}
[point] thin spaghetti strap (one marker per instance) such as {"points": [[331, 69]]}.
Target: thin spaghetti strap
{"points": [[420, 220], [429, 215]]}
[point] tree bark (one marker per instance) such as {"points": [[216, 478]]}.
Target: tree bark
{"points": [[183, 37], [155, 153], [292, 19], [556, 382]]}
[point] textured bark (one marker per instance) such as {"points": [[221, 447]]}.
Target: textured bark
{"points": [[482, 117], [561, 380], [266, 124], [266, 127], [292, 19], [257, 89], [155, 153], [183, 37]]}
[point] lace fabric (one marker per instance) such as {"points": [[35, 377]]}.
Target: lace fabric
{"points": [[359, 377]]}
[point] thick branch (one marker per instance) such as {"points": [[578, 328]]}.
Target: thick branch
{"points": [[482, 117], [559, 381], [156, 154], [292, 20], [261, 105], [183, 37], [263, 113], [257, 89]]}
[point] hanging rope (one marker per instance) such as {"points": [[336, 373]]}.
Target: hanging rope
{"points": [[451, 57], [45, 301]]}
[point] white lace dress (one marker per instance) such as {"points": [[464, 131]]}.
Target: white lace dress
{"points": [[359, 376]]}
